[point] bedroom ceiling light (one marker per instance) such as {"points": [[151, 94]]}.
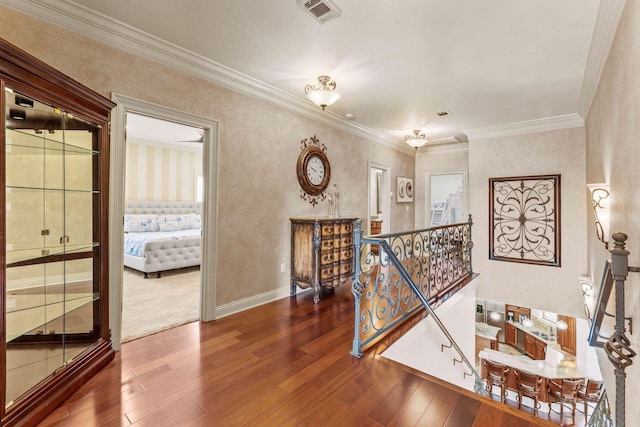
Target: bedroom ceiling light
{"points": [[324, 94], [417, 139], [601, 206]]}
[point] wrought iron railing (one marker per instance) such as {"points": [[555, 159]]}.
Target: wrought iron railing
{"points": [[601, 416], [618, 346], [397, 274]]}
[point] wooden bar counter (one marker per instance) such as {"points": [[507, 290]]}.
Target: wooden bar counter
{"points": [[546, 369]]}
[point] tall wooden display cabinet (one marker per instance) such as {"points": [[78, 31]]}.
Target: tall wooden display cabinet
{"points": [[54, 168]]}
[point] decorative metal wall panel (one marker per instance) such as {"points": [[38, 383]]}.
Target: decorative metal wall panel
{"points": [[524, 219]]}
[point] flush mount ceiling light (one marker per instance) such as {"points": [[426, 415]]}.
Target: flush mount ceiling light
{"points": [[324, 94], [417, 140]]}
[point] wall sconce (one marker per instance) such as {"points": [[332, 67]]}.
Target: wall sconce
{"points": [[601, 207], [416, 140], [586, 284], [324, 94]]}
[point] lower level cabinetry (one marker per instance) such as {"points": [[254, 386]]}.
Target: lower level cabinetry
{"points": [[321, 253]]}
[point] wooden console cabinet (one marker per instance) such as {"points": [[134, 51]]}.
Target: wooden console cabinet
{"points": [[321, 253]]}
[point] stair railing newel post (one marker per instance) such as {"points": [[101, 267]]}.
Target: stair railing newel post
{"points": [[356, 287], [618, 347]]}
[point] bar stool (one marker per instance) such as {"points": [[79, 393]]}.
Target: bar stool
{"points": [[528, 385], [590, 392], [564, 391], [496, 375]]}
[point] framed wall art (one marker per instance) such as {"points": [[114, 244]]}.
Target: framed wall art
{"points": [[404, 190], [524, 219]]}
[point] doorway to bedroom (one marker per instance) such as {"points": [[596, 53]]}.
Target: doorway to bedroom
{"points": [[163, 195]]}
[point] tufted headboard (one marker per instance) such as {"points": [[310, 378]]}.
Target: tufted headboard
{"points": [[160, 207]]}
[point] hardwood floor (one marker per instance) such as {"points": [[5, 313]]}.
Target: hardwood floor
{"points": [[286, 363]]}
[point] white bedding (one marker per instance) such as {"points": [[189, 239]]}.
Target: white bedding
{"points": [[161, 235]]}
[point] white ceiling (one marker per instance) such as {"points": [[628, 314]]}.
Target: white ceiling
{"points": [[156, 130], [396, 63]]}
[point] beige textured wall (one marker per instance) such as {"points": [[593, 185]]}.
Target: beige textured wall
{"points": [[161, 171], [613, 156], [548, 288], [259, 146]]}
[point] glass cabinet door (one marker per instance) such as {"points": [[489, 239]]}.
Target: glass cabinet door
{"points": [[52, 287]]}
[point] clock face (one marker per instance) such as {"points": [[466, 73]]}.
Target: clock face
{"points": [[315, 170]]}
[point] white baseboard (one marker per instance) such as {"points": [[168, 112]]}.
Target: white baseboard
{"points": [[254, 301]]}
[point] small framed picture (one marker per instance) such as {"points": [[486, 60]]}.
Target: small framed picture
{"points": [[404, 191]]}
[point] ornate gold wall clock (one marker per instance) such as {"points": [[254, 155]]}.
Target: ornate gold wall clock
{"points": [[313, 170]]}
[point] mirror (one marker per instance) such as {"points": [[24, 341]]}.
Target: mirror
{"points": [[446, 196]]}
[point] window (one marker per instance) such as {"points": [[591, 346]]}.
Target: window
{"points": [[199, 187]]}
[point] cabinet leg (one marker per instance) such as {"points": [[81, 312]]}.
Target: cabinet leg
{"points": [[316, 294], [293, 289]]}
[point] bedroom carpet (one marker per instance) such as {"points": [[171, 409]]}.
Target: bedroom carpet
{"points": [[152, 305]]}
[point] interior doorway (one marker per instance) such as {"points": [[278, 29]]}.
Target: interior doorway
{"points": [[379, 206], [208, 183], [162, 225]]}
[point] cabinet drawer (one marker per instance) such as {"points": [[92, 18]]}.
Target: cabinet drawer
{"points": [[347, 241], [346, 228], [346, 255], [326, 272], [326, 231], [326, 258], [345, 268], [326, 245]]}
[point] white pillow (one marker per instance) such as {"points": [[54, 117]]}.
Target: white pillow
{"points": [[169, 226], [184, 221], [141, 223]]}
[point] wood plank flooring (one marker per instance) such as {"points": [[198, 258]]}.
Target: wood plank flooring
{"points": [[285, 363]]}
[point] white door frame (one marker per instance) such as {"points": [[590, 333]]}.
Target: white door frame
{"points": [[386, 196], [209, 212]]}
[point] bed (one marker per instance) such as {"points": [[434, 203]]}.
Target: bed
{"points": [[161, 235]]}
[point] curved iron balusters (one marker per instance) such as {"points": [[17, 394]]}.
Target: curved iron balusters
{"points": [[436, 259]]}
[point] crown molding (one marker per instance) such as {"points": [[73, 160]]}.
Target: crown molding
{"points": [[99, 27], [532, 126], [451, 147], [607, 19]]}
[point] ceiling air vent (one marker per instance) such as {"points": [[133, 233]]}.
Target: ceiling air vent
{"points": [[443, 113], [321, 10]]}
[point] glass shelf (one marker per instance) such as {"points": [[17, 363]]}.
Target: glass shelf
{"points": [[28, 141], [33, 254], [35, 316]]}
